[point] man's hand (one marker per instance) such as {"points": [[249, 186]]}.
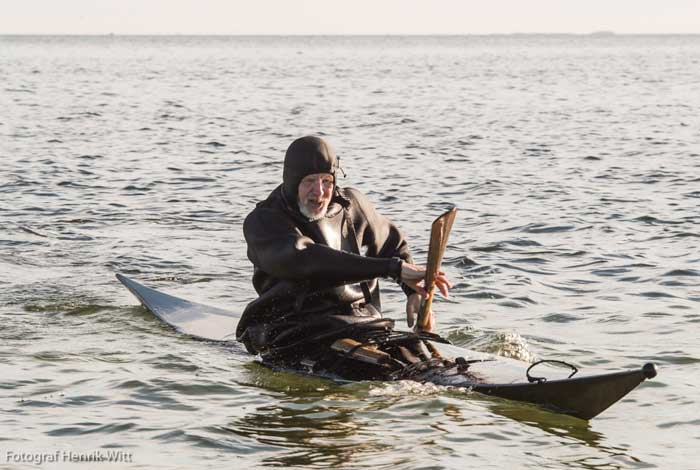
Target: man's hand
{"points": [[412, 308], [414, 276]]}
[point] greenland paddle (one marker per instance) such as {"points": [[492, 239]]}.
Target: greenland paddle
{"points": [[439, 233]]}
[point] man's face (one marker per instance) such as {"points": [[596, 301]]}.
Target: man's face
{"points": [[314, 195]]}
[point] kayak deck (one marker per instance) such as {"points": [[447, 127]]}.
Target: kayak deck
{"points": [[582, 396]]}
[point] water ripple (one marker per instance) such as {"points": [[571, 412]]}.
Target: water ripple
{"points": [[576, 238]]}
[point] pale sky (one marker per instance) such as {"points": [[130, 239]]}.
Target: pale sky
{"points": [[347, 17]]}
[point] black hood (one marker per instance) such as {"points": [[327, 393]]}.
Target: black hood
{"points": [[306, 156]]}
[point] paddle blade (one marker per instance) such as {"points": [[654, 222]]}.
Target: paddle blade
{"points": [[439, 233]]}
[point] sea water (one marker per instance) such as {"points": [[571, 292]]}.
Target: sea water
{"points": [[574, 162]]}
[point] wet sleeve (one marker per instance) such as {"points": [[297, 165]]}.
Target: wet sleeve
{"points": [[278, 248]]}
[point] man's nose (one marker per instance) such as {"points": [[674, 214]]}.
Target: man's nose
{"points": [[317, 188]]}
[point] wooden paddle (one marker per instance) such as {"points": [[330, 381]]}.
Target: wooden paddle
{"points": [[439, 233]]}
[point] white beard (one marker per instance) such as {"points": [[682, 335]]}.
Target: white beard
{"points": [[311, 215]]}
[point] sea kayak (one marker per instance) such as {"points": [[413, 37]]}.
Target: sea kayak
{"points": [[581, 396]]}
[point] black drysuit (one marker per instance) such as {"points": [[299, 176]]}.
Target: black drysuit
{"points": [[315, 276]]}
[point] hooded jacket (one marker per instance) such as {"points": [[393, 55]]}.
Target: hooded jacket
{"points": [[307, 272]]}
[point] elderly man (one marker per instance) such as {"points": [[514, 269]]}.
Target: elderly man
{"points": [[317, 251]]}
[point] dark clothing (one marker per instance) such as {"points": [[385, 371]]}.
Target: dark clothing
{"points": [[316, 276], [318, 308]]}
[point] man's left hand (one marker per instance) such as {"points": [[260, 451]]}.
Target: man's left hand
{"points": [[413, 276], [412, 308]]}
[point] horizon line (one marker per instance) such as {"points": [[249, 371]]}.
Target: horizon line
{"points": [[602, 33]]}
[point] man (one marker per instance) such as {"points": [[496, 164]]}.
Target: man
{"points": [[317, 251]]}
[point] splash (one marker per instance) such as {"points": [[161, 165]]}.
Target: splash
{"points": [[410, 388], [504, 343], [403, 388]]}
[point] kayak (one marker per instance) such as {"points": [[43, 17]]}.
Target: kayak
{"points": [[581, 396]]}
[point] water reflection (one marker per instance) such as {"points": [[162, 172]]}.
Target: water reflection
{"points": [[552, 423], [582, 447], [317, 423], [318, 436]]}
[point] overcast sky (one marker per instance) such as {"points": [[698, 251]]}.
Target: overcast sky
{"points": [[347, 16]]}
